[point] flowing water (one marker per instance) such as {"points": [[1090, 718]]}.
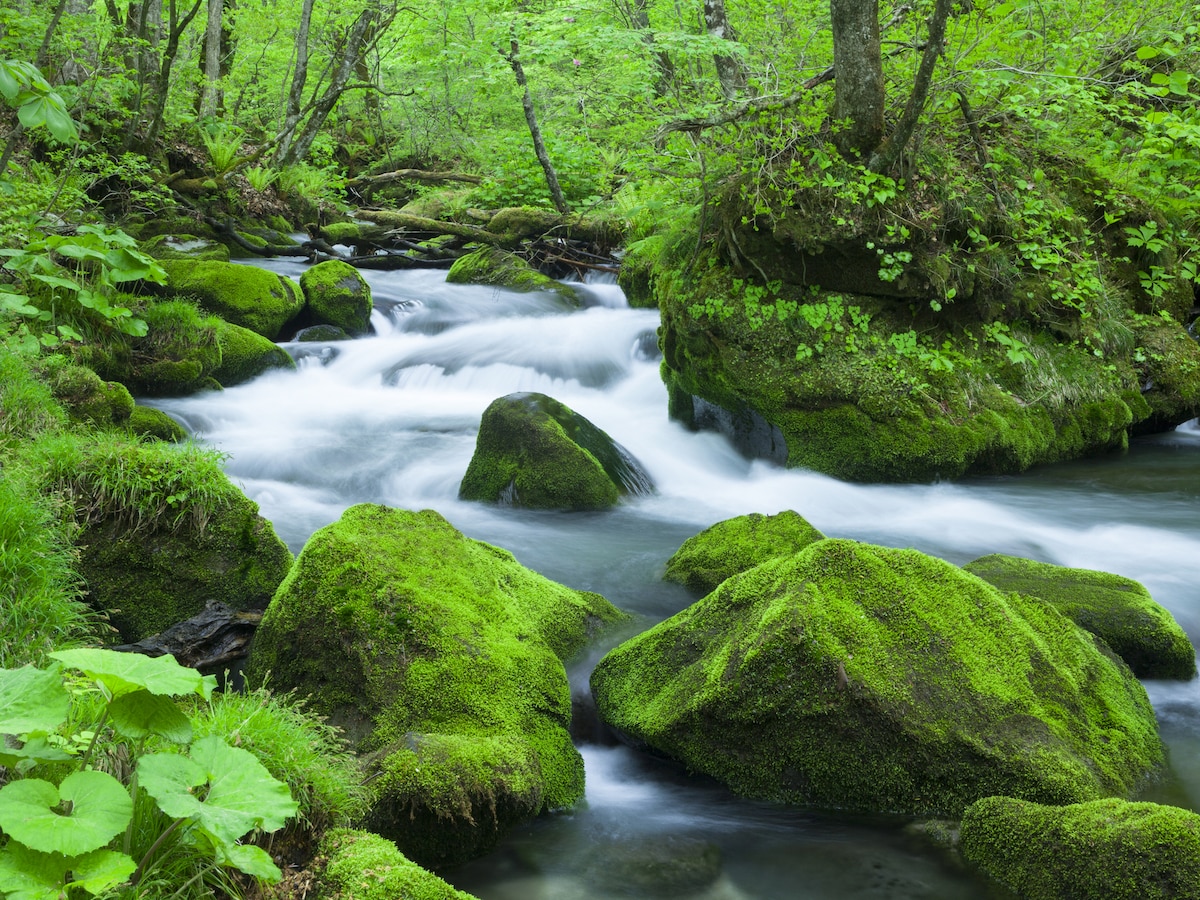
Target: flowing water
{"points": [[392, 419]]}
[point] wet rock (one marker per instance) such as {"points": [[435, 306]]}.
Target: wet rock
{"points": [[246, 354], [213, 641], [243, 295], [147, 422], [493, 266], [336, 295], [654, 866]]}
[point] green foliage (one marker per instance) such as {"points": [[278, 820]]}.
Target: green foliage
{"points": [[60, 829], [38, 105]]}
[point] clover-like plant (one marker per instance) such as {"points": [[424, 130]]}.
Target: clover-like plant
{"points": [[58, 832]]}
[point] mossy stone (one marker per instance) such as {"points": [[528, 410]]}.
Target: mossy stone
{"points": [[736, 545], [442, 657], [337, 295], [1170, 371], [535, 452], [246, 354], [1102, 850], [1117, 609], [359, 865], [86, 397], [499, 268], [516, 223], [856, 677], [244, 295], [315, 333], [148, 422], [185, 246]]}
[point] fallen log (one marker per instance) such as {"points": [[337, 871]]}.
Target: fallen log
{"points": [[413, 175], [212, 641]]}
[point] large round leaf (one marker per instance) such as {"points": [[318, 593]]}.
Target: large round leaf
{"points": [[83, 814], [123, 673], [30, 875], [140, 714], [32, 700]]}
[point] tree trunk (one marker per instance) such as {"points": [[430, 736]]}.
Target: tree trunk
{"points": [[539, 146], [730, 72], [639, 18], [295, 97], [162, 84], [859, 87], [212, 60]]}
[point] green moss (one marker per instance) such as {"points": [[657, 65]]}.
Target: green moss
{"points": [[442, 656], [337, 295], [244, 295], [147, 422], [519, 222], [1169, 367], [1102, 850], [245, 354], [1119, 610], [341, 232], [185, 246], [636, 277], [85, 396], [164, 531], [490, 265], [27, 406], [736, 545], [535, 452], [858, 677], [364, 866]]}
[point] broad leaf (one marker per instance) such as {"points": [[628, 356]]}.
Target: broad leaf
{"points": [[69, 284], [127, 265], [32, 112], [35, 750], [60, 124], [100, 870], [32, 700], [140, 714], [123, 673], [99, 809], [29, 875], [9, 86], [242, 794], [251, 860]]}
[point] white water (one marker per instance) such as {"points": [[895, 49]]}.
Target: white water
{"points": [[392, 419]]}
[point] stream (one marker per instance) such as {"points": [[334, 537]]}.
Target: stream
{"points": [[392, 418]]}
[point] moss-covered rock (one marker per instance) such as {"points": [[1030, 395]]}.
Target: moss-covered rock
{"points": [[1102, 850], [148, 422], [493, 266], [86, 397], [442, 657], [858, 677], [244, 295], [1119, 610], [736, 545], [245, 354], [185, 246], [359, 865], [337, 295], [317, 333], [535, 452], [1168, 362]]}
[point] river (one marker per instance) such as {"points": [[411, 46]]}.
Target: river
{"points": [[391, 419]]}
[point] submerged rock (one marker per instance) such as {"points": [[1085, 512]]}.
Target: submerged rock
{"points": [[736, 545], [1102, 850], [1119, 610], [442, 658], [535, 452], [856, 677], [336, 295], [244, 295]]}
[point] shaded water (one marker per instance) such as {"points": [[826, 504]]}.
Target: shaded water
{"points": [[392, 419]]}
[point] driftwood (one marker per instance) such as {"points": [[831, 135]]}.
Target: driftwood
{"points": [[211, 641], [432, 227], [412, 175]]}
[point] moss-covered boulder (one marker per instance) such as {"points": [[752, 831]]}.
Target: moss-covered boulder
{"points": [[185, 246], [148, 422], [858, 677], [337, 295], [86, 397], [499, 268], [359, 865], [442, 658], [1119, 610], [245, 354], [164, 531], [320, 333], [736, 545], [244, 295], [535, 452], [1102, 850], [1168, 363]]}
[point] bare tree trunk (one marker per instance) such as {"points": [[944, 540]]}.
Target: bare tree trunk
{"points": [[212, 60], [43, 54], [539, 146], [162, 84], [730, 72], [859, 86], [295, 97]]}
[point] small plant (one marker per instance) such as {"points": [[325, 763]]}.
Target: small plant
{"points": [[23, 87], [260, 179], [224, 144], [61, 830]]}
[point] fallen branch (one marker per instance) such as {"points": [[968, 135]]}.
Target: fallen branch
{"points": [[413, 175], [421, 225]]}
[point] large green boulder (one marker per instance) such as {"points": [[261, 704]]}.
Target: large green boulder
{"points": [[337, 295], [359, 865], [735, 545], [442, 657], [1102, 850], [1119, 610], [858, 677], [164, 532], [244, 295], [246, 354], [185, 246], [153, 424], [499, 268], [533, 451]]}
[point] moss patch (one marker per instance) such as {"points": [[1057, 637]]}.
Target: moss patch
{"points": [[360, 865], [491, 265], [253, 298], [147, 422], [736, 545], [858, 677], [442, 656], [245, 354], [1102, 850], [535, 452], [86, 397], [337, 295], [1119, 610], [185, 246]]}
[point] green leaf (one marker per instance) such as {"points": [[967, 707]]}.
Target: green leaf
{"points": [[100, 870], [123, 673], [1179, 82], [69, 284], [1147, 52], [35, 750], [140, 714], [60, 124], [242, 794], [32, 112], [128, 265], [29, 875], [32, 700], [250, 859], [9, 86], [99, 808]]}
